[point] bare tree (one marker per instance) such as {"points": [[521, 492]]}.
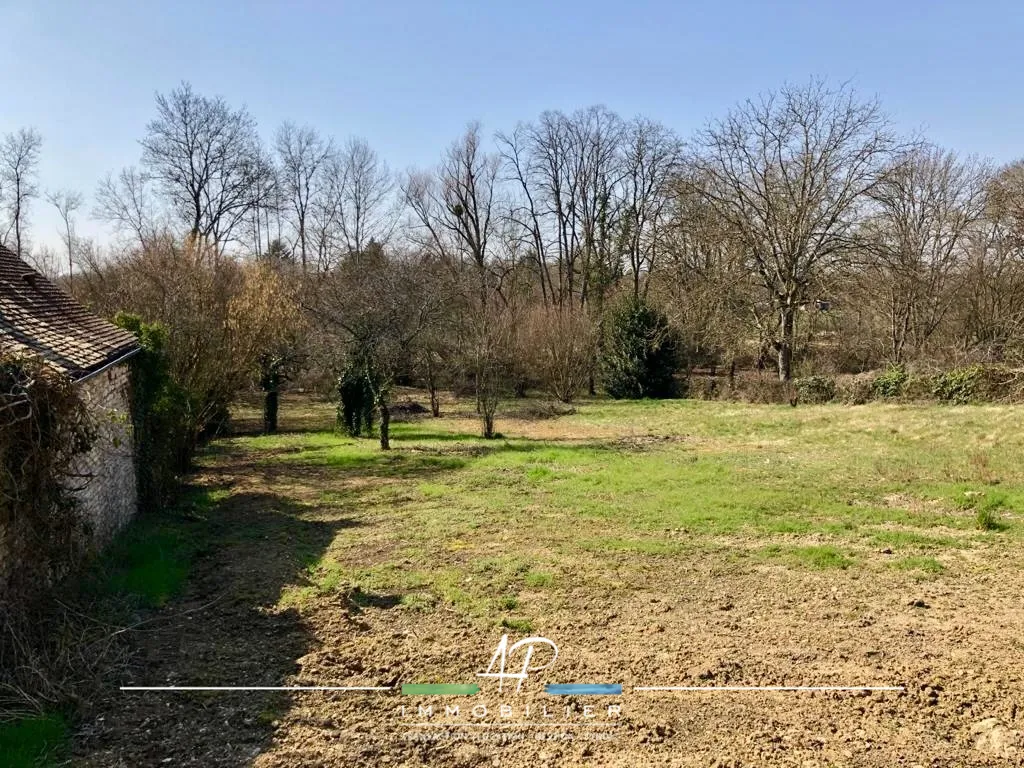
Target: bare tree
{"points": [[379, 304], [790, 172], [706, 284], [367, 209], [652, 157], [525, 216], [567, 169], [1005, 203], [19, 164], [927, 207], [991, 308], [456, 211], [67, 202], [323, 222], [126, 202], [456, 208], [265, 202], [204, 156], [304, 156], [560, 344]]}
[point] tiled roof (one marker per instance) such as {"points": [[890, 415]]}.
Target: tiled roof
{"points": [[37, 316]]}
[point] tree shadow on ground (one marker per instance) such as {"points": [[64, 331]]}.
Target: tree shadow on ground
{"points": [[224, 629]]}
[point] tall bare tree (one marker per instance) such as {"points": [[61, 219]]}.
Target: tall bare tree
{"points": [[706, 285], [456, 213], [126, 201], [917, 241], [652, 157], [455, 210], [566, 169], [19, 165], [265, 202], [67, 202], [204, 155], [991, 316], [303, 156], [367, 208], [790, 172]]}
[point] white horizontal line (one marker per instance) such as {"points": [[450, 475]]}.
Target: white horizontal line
{"points": [[768, 688], [692, 688], [512, 725], [257, 688]]}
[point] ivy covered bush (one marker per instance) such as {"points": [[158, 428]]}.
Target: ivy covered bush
{"points": [[890, 384], [976, 383], [816, 389], [162, 422]]}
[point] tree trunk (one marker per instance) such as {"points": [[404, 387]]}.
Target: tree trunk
{"points": [[385, 424], [435, 402], [787, 328], [270, 406], [488, 425]]}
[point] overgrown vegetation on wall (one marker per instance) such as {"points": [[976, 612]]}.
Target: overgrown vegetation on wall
{"points": [[44, 426]]}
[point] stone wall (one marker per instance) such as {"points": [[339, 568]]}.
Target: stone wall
{"points": [[105, 486]]}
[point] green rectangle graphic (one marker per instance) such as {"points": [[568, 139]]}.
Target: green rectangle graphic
{"points": [[439, 689]]}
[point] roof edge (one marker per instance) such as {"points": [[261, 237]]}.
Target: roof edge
{"points": [[109, 364]]}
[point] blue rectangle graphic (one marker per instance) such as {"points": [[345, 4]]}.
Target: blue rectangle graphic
{"points": [[583, 689]]}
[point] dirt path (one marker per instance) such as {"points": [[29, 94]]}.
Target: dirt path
{"points": [[219, 633], [955, 645]]}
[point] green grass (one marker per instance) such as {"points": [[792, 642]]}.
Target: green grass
{"points": [[149, 561], [33, 742], [607, 496], [816, 557], [538, 579], [927, 565], [151, 569], [523, 626]]}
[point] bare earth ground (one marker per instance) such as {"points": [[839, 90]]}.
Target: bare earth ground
{"points": [[707, 615]]}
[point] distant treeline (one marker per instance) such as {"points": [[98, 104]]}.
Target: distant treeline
{"points": [[799, 234]]}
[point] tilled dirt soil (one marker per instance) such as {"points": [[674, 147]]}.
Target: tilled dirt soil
{"points": [[956, 648]]}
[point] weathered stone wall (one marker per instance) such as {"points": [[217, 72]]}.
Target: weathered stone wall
{"points": [[105, 485]]}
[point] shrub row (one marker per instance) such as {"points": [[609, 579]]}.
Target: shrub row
{"points": [[975, 383], [967, 384]]}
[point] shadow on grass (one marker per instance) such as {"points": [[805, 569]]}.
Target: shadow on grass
{"points": [[406, 459], [203, 582], [33, 741]]}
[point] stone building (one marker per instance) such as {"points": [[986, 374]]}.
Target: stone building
{"points": [[39, 318]]}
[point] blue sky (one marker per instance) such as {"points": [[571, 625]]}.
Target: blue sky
{"points": [[407, 76]]}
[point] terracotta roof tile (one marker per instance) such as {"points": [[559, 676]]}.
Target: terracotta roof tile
{"points": [[37, 316]]}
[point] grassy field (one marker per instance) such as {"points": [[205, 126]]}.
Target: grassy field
{"points": [[669, 542], [880, 487]]}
